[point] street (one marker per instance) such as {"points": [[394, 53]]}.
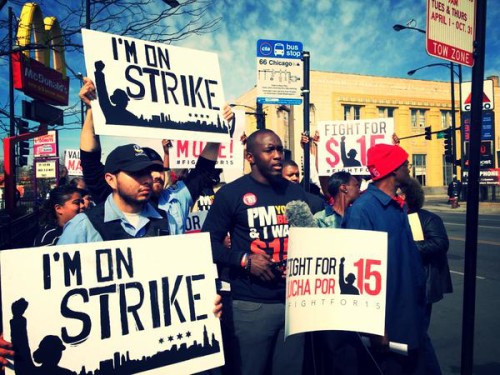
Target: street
{"points": [[446, 324]]}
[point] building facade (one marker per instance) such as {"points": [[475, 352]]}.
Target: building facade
{"points": [[414, 104]]}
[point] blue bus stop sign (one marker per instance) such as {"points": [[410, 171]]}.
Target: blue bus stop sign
{"points": [[279, 72]]}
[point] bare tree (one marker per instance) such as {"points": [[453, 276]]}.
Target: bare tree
{"points": [[152, 20]]}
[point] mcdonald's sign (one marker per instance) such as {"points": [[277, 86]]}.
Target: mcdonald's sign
{"points": [[35, 77]]}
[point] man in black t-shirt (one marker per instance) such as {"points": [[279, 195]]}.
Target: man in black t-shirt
{"points": [[252, 210]]}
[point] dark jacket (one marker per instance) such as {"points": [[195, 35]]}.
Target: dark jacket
{"points": [[433, 250], [375, 210]]}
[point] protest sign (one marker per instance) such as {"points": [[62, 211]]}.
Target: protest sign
{"points": [[336, 280], [195, 221], [72, 162], [154, 90], [115, 307], [185, 153], [343, 145]]}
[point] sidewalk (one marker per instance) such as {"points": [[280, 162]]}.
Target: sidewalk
{"points": [[439, 203]]}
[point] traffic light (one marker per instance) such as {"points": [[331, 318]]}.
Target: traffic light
{"points": [[22, 126], [428, 133], [448, 146], [24, 151], [23, 147], [260, 116]]}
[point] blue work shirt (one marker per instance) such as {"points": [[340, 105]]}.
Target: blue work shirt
{"points": [[80, 229], [405, 300], [176, 201]]}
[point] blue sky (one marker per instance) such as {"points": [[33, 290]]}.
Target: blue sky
{"points": [[349, 36]]}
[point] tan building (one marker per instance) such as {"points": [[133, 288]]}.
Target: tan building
{"points": [[414, 104]]}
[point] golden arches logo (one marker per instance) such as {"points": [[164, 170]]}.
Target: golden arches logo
{"points": [[46, 32]]}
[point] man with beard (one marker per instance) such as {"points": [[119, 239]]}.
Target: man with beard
{"points": [[380, 209], [252, 210]]}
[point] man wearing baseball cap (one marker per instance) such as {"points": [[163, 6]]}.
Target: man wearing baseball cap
{"points": [[126, 212], [379, 209]]}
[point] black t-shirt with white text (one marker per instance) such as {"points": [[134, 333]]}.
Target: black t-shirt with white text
{"points": [[254, 215]]}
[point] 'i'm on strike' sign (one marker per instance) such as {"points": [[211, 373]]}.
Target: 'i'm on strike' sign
{"points": [[115, 307]]}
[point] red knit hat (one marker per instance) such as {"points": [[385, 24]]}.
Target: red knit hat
{"points": [[384, 159]]}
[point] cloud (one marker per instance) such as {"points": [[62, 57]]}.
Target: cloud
{"points": [[352, 36]]}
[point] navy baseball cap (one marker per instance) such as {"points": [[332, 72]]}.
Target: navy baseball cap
{"points": [[153, 156], [128, 158]]}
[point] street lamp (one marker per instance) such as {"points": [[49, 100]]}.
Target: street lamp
{"points": [[399, 27], [410, 25], [450, 66], [412, 72]]}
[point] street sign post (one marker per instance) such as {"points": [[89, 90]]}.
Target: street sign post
{"points": [[279, 72], [451, 29]]}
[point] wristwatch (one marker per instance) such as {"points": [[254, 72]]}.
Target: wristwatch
{"points": [[246, 262]]}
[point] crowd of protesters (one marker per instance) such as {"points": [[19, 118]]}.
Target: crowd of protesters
{"points": [[134, 194]]}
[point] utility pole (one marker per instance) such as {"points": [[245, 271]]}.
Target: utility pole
{"points": [[453, 121], [9, 162], [472, 219], [305, 93], [87, 14]]}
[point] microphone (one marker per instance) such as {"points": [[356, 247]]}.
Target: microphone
{"points": [[299, 214]]}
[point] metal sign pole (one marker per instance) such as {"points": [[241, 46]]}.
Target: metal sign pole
{"points": [[305, 93], [453, 120], [470, 263]]}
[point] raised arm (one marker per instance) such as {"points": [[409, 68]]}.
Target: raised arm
{"points": [[90, 148], [89, 141]]}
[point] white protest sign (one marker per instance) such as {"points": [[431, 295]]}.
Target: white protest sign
{"points": [[185, 153], [72, 162], [195, 221], [154, 90], [343, 145], [129, 306], [336, 280]]}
